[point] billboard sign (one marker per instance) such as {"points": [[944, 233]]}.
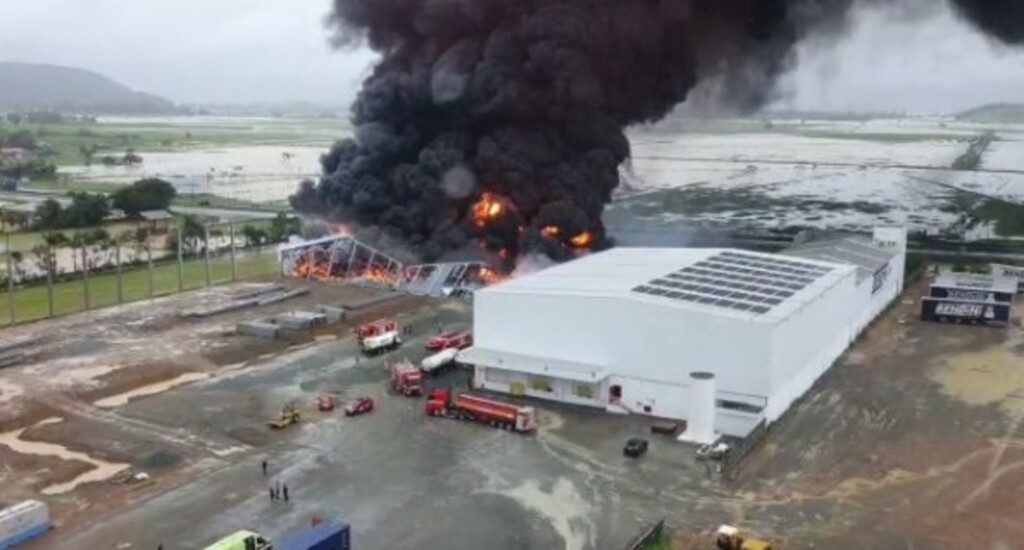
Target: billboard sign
{"points": [[970, 295], [960, 311]]}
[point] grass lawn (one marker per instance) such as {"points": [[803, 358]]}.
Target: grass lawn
{"points": [[31, 302], [216, 201], [114, 139], [67, 185]]}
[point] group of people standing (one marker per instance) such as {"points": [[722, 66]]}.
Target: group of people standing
{"points": [[278, 491]]}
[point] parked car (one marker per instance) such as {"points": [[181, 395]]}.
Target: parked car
{"points": [[635, 448], [359, 405]]}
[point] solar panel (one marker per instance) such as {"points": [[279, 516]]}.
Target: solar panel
{"points": [[739, 281]]}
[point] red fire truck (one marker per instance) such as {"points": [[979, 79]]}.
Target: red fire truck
{"points": [[453, 339], [406, 379], [506, 416], [379, 336]]}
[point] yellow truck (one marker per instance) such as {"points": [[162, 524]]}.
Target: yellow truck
{"points": [[242, 540]]}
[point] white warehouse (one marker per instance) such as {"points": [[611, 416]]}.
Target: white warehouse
{"points": [[676, 332]]}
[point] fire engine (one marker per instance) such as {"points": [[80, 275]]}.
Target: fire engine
{"points": [[379, 336], [406, 379], [454, 339], [442, 402]]}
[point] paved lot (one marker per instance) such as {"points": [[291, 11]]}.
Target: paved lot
{"points": [[402, 479]]}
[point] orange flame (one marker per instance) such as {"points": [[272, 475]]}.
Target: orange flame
{"points": [[490, 207], [582, 240], [550, 231], [489, 275], [307, 268]]}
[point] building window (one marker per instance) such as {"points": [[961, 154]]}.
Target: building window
{"points": [[539, 383], [738, 406], [586, 391]]}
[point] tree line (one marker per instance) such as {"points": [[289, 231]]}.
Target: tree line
{"points": [[90, 209]]}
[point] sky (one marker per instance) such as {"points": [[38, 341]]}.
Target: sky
{"points": [[269, 51]]}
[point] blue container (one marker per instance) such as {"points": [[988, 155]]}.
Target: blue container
{"points": [[326, 536]]}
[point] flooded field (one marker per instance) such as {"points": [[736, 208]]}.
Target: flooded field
{"points": [[263, 173], [846, 175], [255, 159]]}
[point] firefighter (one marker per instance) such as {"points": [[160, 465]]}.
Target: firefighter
{"points": [[284, 488], [264, 468]]}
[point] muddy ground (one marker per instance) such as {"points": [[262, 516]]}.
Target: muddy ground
{"points": [[912, 441], [84, 367]]}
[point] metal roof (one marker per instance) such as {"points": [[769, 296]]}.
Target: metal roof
{"points": [[846, 250], [156, 215], [541, 366], [734, 283]]}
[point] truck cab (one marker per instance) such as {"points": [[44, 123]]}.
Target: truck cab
{"points": [[378, 336]]}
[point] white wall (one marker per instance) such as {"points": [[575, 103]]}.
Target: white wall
{"points": [[630, 338], [735, 423], [665, 399], [871, 304], [809, 341]]}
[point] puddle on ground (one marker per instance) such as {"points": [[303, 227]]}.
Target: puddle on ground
{"points": [[563, 507], [984, 378], [151, 389], [101, 470]]}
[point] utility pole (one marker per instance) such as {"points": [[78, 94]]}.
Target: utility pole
{"points": [[10, 277], [181, 267], [231, 229], [206, 252], [85, 275], [120, 280], [149, 260], [50, 261]]}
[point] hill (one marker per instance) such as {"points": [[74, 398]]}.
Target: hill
{"points": [[996, 112], [30, 86]]}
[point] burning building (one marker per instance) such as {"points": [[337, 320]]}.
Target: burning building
{"points": [[622, 330], [341, 258], [500, 126]]}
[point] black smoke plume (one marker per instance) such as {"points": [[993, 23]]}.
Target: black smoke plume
{"points": [[529, 100]]}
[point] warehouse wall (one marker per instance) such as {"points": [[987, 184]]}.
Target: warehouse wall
{"points": [[871, 303], [566, 391], [632, 338], [807, 343], [653, 397]]}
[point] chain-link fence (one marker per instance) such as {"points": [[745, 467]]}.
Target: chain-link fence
{"points": [[48, 274]]}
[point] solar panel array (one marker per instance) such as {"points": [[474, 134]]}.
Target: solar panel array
{"points": [[733, 280]]}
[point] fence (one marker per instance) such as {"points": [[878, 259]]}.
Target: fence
{"points": [[651, 536], [49, 275]]}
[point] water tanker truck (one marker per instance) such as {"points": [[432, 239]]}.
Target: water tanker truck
{"points": [[443, 403], [438, 361]]}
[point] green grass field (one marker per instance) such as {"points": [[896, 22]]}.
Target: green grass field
{"points": [[30, 303], [67, 139]]}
